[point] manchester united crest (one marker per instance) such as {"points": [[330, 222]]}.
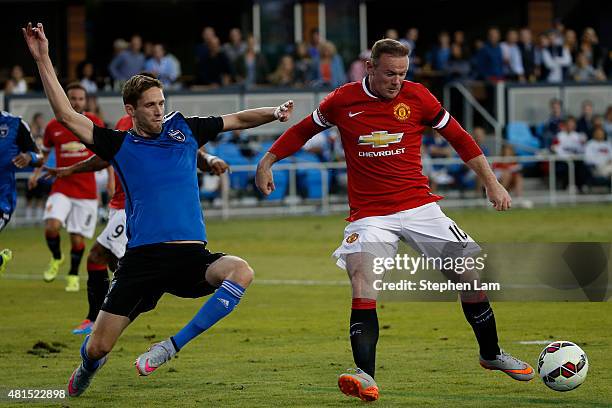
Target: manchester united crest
{"points": [[401, 112], [352, 238]]}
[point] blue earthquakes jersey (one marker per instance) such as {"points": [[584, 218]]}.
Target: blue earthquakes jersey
{"points": [[158, 174], [15, 138]]}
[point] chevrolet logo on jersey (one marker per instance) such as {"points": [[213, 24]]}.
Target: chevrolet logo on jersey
{"points": [[72, 147], [380, 139]]}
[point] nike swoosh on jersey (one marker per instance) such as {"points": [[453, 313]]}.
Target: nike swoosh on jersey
{"points": [[351, 114]]}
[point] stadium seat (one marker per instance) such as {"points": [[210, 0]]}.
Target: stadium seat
{"points": [[521, 138], [309, 181]]}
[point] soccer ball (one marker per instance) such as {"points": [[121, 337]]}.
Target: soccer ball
{"points": [[563, 366]]}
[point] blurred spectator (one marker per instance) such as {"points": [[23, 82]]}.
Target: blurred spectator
{"points": [[314, 42], [513, 60], [585, 122], [35, 198], [583, 71], [541, 70], [20, 86], [322, 144], [489, 59], [598, 155], [553, 125], [161, 66], [458, 66], [128, 62], [147, 50], [528, 54], [37, 128], [284, 74], [439, 56], [569, 142], [94, 107], [509, 173], [438, 148], [459, 39], [357, 69], [208, 34], [392, 34], [214, 68], [607, 122], [241, 139], [328, 67], [252, 66], [303, 63], [571, 42], [410, 41], [86, 75], [557, 59], [589, 46], [235, 47]]}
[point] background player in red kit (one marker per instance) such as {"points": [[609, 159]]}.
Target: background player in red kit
{"points": [[111, 243], [381, 121], [73, 200]]}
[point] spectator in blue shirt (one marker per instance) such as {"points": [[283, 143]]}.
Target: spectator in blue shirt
{"points": [[161, 66], [438, 58], [128, 62], [489, 60]]}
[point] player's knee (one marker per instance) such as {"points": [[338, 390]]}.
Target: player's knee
{"points": [[98, 347], [241, 273]]}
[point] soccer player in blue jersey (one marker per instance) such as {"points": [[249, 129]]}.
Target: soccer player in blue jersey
{"points": [[17, 150], [166, 250]]}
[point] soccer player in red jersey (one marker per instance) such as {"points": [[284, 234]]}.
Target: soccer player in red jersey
{"points": [[73, 200], [381, 121], [111, 243]]}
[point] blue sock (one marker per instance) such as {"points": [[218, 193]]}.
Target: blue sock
{"points": [[88, 363], [222, 302]]}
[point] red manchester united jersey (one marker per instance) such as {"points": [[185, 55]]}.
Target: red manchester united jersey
{"points": [[68, 151], [118, 200], [382, 144]]}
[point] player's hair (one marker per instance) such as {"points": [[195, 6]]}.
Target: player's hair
{"points": [[137, 85], [75, 85], [390, 47]]}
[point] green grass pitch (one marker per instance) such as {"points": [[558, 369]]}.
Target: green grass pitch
{"points": [[286, 343]]}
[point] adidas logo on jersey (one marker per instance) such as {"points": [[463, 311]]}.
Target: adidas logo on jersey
{"points": [[225, 302]]}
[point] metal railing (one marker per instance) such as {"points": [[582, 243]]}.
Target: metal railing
{"points": [[228, 204]]}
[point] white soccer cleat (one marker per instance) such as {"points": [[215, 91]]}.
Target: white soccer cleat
{"points": [[157, 355], [515, 368]]}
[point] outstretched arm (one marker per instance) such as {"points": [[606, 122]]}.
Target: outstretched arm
{"points": [[38, 44], [94, 163], [251, 118]]}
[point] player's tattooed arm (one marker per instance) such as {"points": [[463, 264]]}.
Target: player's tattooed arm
{"points": [[251, 118], [94, 163], [38, 45], [496, 193]]}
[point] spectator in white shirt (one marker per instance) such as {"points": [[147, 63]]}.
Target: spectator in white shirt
{"points": [[569, 143], [598, 154], [513, 60]]}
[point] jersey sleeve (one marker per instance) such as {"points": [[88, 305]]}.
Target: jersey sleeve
{"points": [[24, 138], [205, 129], [434, 114], [107, 142], [324, 115]]}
